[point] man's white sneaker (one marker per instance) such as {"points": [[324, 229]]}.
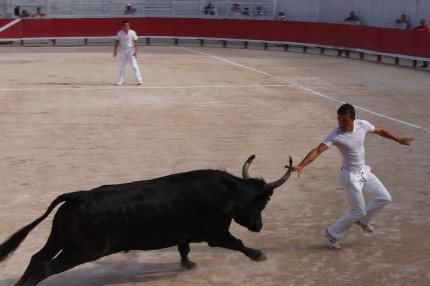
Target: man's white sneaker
{"points": [[366, 227], [120, 83], [140, 83], [332, 242]]}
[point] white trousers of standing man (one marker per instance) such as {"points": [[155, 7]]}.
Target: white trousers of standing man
{"points": [[124, 57], [356, 183]]}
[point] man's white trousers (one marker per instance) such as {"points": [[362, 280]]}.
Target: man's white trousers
{"points": [[124, 57], [355, 184]]}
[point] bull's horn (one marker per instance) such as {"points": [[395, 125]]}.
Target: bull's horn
{"points": [[245, 173], [278, 183]]}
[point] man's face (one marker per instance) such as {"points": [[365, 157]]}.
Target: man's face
{"points": [[126, 27], [346, 123]]}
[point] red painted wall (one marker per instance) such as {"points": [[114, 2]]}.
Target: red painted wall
{"points": [[351, 36], [10, 32]]}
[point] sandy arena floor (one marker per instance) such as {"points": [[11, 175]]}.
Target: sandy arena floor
{"points": [[65, 127]]}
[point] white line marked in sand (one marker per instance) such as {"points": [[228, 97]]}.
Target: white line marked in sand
{"points": [[291, 83], [76, 86]]}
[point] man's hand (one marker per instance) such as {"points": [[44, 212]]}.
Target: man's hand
{"points": [[405, 141], [298, 169]]}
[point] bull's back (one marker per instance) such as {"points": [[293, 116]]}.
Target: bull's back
{"points": [[146, 215]]}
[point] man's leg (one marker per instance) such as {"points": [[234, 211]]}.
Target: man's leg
{"points": [[352, 185], [122, 63], [136, 69], [380, 197]]}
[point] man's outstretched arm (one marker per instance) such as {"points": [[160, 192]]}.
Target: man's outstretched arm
{"points": [[387, 134], [312, 155]]}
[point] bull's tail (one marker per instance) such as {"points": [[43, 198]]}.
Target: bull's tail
{"points": [[10, 245]]}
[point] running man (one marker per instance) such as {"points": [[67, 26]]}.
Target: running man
{"points": [[126, 39], [354, 176]]}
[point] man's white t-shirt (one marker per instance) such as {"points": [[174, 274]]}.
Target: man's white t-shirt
{"points": [[351, 144], [126, 40]]}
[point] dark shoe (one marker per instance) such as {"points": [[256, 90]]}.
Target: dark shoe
{"points": [[366, 227], [332, 242]]}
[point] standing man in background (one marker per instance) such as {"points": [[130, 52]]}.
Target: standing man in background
{"points": [[126, 39], [422, 27], [354, 176]]}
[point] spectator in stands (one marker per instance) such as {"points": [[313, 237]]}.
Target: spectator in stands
{"points": [[422, 27], [352, 17], [245, 12], [24, 13], [16, 11], [258, 11], [236, 9], [281, 15], [129, 10], [209, 9], [403, 20], [38, 13]]}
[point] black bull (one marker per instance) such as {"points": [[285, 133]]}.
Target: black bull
{"points": [[174, 210]]}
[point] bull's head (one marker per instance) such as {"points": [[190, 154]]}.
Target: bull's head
{"points": [[250, 215]]}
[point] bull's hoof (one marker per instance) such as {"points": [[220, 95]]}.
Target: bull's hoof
{"points": [[262, 257], [187, 264]]}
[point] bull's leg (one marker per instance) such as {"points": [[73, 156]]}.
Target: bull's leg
{"points": [[184, 249], [66, 260], [230, 242], [51, 248]]}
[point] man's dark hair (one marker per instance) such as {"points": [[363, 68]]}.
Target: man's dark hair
{"points": [[346, 109]]}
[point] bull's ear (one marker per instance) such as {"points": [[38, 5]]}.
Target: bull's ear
{"points": [[239, 194]]}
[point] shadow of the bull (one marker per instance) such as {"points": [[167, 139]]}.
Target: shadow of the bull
{"points": [[110, 273]]}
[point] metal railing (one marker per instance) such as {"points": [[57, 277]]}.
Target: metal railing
{"points": [[141, 8]]}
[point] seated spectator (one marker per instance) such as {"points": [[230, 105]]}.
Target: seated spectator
{"points": [[245, 12], [236, 9], [352, 17], [129, 10], [258, 11], [281, 15], [38, 13], [16, 11], [209, 9], [403, 20], [422, 27], [24, 13]]}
